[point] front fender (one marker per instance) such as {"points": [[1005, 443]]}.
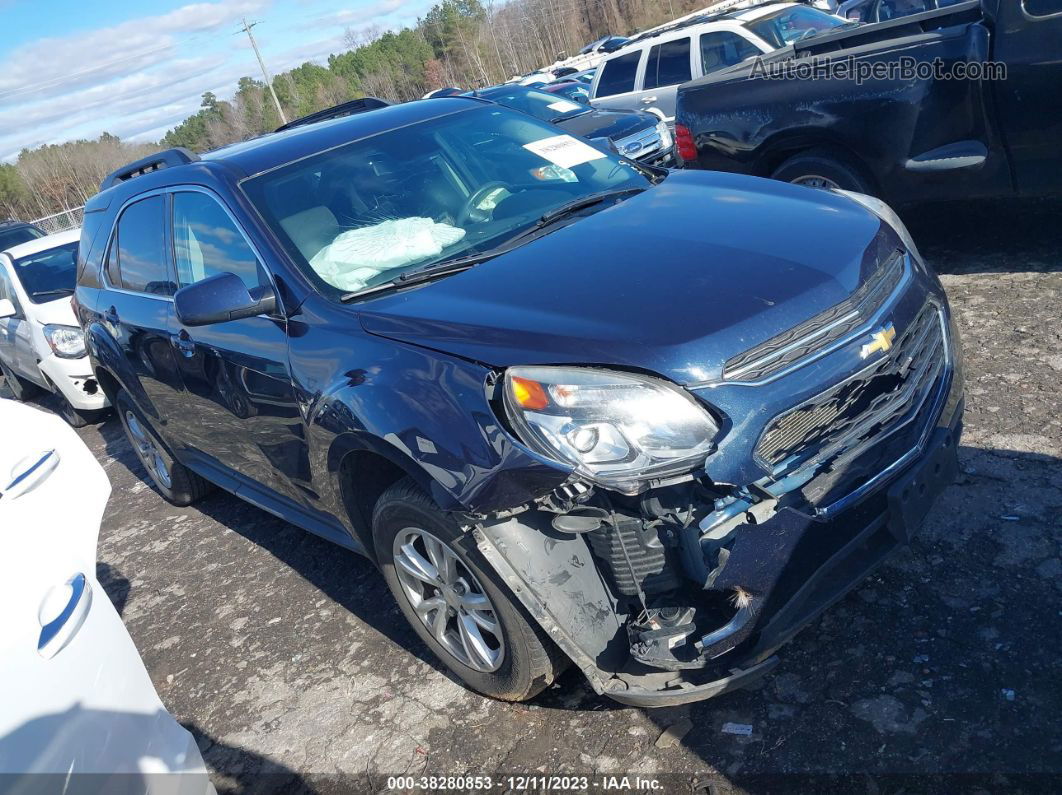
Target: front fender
{"points": [[429, 414]]}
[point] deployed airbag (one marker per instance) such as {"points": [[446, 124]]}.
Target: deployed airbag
{"points": [[351, 260]]}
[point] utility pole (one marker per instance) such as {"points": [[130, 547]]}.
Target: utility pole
{"points": [[265, 73]]}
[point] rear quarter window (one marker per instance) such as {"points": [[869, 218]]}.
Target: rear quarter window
{"points": [[617, 75]]}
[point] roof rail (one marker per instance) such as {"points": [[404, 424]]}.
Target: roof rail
{"points": [[167, 158]]}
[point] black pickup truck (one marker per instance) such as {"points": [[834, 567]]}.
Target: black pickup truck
{"points": [[815, 113]]}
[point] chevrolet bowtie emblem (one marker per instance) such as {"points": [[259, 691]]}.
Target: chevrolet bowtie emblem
{"points": [[880, 340]]}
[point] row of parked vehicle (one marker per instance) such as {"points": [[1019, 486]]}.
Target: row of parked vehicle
{"points": [[576, 407]]}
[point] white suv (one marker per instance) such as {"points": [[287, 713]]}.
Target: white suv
{"points": [[646, 73], [41, 345]]}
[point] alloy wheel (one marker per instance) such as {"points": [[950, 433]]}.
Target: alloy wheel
{"points": [[148, 450], [448, 599], [815, 181]]}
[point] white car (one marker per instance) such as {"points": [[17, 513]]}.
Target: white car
{"points": [[75, 699], [41, 344], [645, 73]]}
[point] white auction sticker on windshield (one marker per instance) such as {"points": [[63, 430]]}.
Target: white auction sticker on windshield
{"points": [[563, 106], [564, 151]]}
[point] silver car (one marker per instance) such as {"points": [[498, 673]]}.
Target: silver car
{"points": [[646, 74]]}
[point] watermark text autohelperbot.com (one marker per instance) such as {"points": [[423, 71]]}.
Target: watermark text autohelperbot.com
{"points": [[860, 70]]}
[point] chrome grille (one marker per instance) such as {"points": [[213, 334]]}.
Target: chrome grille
{"points": [[816, 334], [865, 408], [641, 144]]}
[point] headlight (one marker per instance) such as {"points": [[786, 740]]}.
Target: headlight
{"points": [[665, 135], [617, 429], [888, 215], [67, 342]]}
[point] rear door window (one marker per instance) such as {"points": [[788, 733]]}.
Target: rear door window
{"points": [[721, 49], [207, 242], [143, 264], [617, 75], [668, 64]]}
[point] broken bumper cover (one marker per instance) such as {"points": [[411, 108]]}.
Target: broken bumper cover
{"points": [[796, 563]]}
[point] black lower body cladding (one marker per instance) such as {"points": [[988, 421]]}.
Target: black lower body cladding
{"points": [[621, 603]]}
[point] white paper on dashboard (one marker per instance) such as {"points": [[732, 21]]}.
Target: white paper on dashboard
{"points": [[563, 106], [564, 150]]}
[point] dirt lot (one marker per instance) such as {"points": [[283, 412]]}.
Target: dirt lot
{"points": [[286, 657]]}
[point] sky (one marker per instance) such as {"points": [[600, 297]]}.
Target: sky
{"points": [[135, 68]]}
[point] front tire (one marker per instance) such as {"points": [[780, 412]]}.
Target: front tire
{"points": [[456, 603], [17, 388], [76, 418], [174, 481]]}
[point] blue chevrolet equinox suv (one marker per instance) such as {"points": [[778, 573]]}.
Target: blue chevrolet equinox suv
{"points": [[575, 408]]}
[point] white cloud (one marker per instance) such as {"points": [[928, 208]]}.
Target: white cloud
{"points": [[139, 78], [54, 66], [346, 17]]}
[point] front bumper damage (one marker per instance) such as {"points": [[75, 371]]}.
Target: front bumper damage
{"points": [[656, 614]]}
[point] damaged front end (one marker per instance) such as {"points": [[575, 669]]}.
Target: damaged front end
{"points": [[680, 587]]}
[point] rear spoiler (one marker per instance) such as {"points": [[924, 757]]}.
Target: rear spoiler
{"points": [[178, 156]]}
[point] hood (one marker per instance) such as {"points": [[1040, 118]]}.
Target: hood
{"points": [[58, 311], [611, 124], [674, 280]]}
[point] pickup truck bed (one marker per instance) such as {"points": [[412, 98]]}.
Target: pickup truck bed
{"points": [[905, 138]]}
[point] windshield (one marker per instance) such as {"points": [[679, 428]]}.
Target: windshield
{"points": [[540, 104], [20, 234], [367, 212], [782, 28], [48, 275]]}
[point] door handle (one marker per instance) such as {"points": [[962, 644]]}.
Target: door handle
{"points": [[647, 100], [59, 631], [32, 472], [111, 316], [184, 343]]}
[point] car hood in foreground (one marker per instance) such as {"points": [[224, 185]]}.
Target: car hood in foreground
{"points": [[674, 280]]}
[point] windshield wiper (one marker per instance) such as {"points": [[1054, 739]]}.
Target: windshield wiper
{"points": [[581, 202], [444, 268], [57, 291]]}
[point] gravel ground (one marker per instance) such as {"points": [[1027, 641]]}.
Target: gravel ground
{"points": [[286, 657]]}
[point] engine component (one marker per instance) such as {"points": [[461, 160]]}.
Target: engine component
{"points": [[648, 568]]}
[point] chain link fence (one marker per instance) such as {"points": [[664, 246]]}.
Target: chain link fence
{"points": [[60, 222]]}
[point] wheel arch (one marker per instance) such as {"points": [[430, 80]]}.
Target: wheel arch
{"points": [[777, 150], [363, 468], [108, 383]]}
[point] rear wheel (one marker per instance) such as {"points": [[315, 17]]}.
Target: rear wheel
{"points": [[456, 603], [823, 169], [17, 388], [178, 484]]}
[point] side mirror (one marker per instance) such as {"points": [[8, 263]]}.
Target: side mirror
{"points": [[7, 309], [221, 298]]}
